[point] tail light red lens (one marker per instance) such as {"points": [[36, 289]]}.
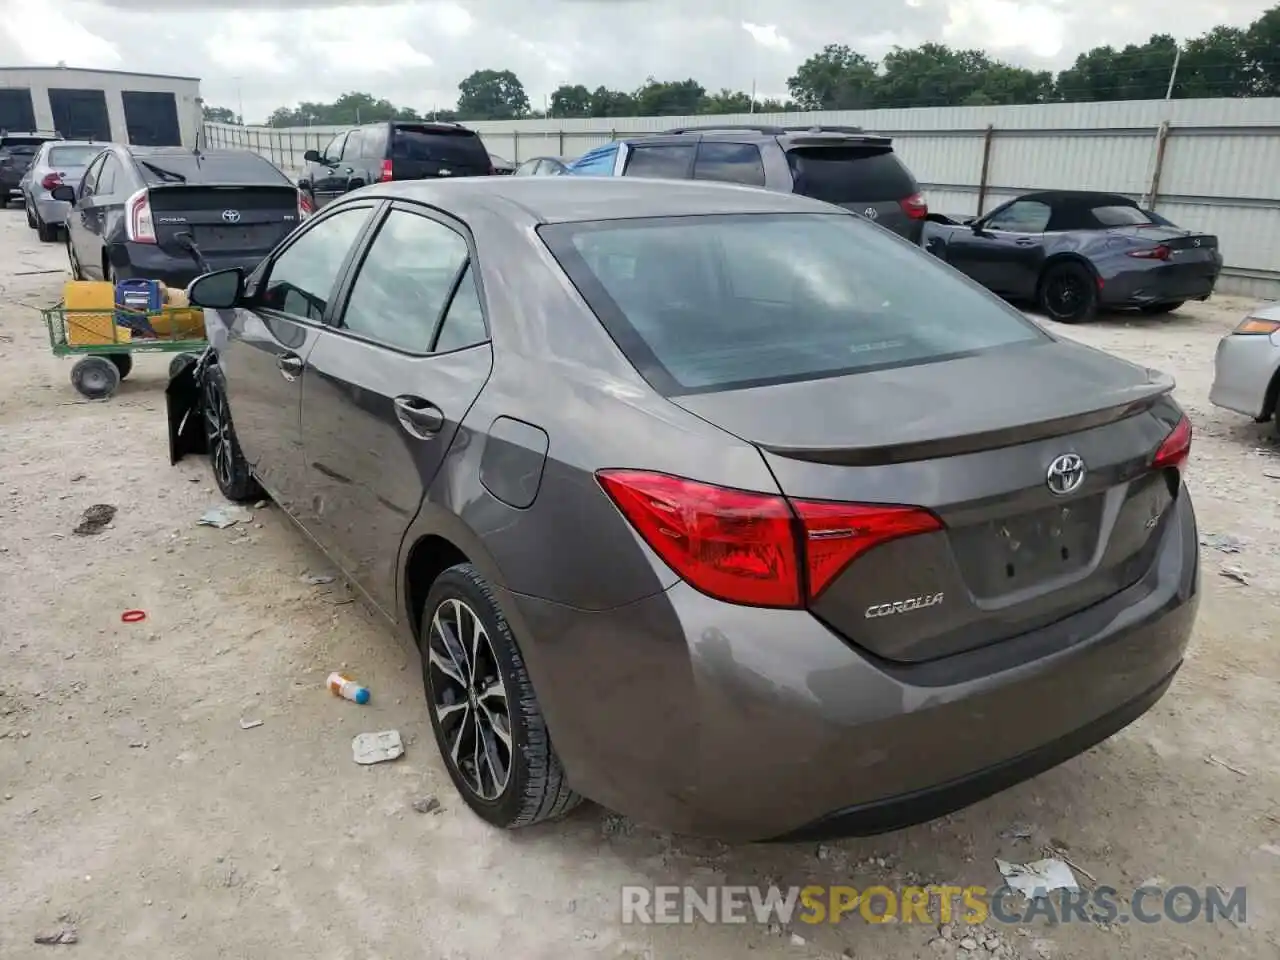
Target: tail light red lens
{"points": [[51, 180], [1160, 252], [750, 548], [1176, 448], [305, 207], [387, 172], [139, 224], [915, 207]]}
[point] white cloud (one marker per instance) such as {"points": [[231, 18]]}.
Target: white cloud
{"points": [[998, 25], [47, 35], [767, 36]]}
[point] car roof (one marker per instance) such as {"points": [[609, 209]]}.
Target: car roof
{"points": [[1092, 198], [575, 199]]}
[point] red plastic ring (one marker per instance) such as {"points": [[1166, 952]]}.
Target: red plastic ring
{"points": [[133, 616]]}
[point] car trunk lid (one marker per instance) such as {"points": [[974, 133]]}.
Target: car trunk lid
{"points": [[423, 151], [1016, 548], [223, 219]]}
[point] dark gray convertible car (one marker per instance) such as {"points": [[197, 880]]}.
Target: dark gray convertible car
{"points": [[723, 507], [1071, 252]]}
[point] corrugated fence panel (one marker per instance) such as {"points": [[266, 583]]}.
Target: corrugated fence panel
{"points": [[1220, 171]]}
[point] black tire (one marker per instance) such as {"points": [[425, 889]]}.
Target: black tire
{"points": [[534, 788], [47, 232], [31, 220], [123, 362], [1156, 309], [95, 377], [72, 261], [230, 469], [1067, 293]]}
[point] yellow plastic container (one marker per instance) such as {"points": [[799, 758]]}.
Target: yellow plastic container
{"points": [[90, 311]]}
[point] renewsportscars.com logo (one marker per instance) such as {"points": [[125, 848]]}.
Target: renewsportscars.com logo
{"points": [[931, 905]]}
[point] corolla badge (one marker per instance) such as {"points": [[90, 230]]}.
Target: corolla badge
{"points": [[231, 216], [1065, 475], [902, 606]]}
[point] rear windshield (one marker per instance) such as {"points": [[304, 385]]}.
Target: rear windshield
{"points": [[72, 156], [850, 174], [459, 147], [213, 168], [1122, 216], [709, 303]]}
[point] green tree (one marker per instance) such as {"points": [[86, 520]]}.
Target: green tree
{"points": [[672, 98], [492, 95], [1262, 46], [219, 114], [727, 101], [612, 103], [571, 100], [838, 78]]}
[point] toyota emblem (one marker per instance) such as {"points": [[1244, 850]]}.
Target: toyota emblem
{"points": [[870, 213], [1065, 475], [231, 216]]}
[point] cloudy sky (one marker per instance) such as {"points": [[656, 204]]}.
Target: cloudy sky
{"points": [[415, 53]]}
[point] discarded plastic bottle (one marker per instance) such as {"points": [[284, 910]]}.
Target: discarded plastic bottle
{"points": [[348, 689]]}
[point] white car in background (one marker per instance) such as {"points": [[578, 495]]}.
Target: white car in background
{"points": [[1246, 369], [56, 163]]}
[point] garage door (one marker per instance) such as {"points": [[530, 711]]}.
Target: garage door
{"points": [[16, 110], [80, 114], [152, 118]]}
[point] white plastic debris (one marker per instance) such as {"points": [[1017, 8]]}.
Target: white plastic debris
{"points": [[376, 747], [223, 517], [1038, 879]]}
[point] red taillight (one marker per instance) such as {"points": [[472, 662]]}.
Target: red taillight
{"points": [[755, 549], [1160, 252], [139, 225], [386, 171], [305, 206], [51, 180], [1176, 447], [915, 207]]}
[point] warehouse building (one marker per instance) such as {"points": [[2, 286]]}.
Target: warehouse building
{"points": [[141, 108]]}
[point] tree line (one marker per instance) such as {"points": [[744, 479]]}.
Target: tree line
{"points": [[1224, 62]]}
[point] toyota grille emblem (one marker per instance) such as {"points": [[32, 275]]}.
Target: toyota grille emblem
{"points": [[1065, 475], [231, 216], [870, 213]]}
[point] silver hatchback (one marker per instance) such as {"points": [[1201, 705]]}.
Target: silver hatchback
{"points": [[57, 163]]}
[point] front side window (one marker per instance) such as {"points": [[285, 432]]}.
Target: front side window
{"points": [[404, 282], [333, 150], [88, 184], [717, 302], [110, 179], [664, 163], [1021, 216], [301, 280]]}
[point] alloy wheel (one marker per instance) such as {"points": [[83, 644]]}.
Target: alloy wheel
{"points": [[217, 428], [1064, 294], [469, 698]]}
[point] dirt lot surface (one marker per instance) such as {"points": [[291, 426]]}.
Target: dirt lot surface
{"points": [[134, 803]]}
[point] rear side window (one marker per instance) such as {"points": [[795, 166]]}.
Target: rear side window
{"points": [[462, 148], [714, 303], [730, 162], [661, 162], [217, 168], [1122, 216], [849, 174], [72, 156], [406, 279], [373, 142]]}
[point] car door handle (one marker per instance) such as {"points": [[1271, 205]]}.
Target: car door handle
{"points": [[290, 366], [418, 416], [1025, 242]]}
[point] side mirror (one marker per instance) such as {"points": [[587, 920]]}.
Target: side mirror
{"points": [[220, 290], [64, 193], [312, 156]]}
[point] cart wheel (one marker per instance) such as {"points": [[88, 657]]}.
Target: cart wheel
{"points": [[177, 363], [95, 377], [123, 362]]}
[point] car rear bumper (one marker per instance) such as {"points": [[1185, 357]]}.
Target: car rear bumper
{"points": [[1167, 283], [150, 262], [1242, 370], [745, 724], [52, 212]]}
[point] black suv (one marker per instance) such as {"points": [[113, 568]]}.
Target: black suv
{"points": [[847, 166], [17, 150], [393, 150]]}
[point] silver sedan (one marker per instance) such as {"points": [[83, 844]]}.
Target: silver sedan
{"points": [[1246, 369], [57, 163]]}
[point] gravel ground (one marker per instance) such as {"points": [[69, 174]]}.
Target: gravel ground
{"points": [[135, 803]]}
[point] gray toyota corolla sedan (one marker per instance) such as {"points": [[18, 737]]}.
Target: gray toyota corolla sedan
{"points": [[724, 508]]}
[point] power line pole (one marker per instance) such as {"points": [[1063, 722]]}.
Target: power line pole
{"points": [[1173, 74]]}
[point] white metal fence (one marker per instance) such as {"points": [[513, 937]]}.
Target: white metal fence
{"points": [[1211, 165]]}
